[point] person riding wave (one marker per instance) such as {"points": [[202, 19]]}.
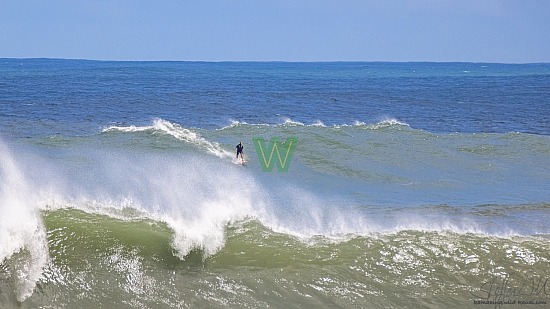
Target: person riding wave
{"points": [[240, 148]]}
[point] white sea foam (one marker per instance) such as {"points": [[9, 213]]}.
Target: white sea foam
{"points": [[383, 123], [392, 122], [318, 123], [179, 132], [131, 128], [233, 124], [290, 122], [196, 197], [21, 227], [189, 136], [201, 207]]}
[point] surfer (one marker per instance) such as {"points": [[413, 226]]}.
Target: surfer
{"points": [[240, 148]]}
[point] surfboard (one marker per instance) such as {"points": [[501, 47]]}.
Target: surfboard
{"points": [[241, 162]]}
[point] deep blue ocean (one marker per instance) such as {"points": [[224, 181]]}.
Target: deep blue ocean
{"points": [[412, 185]]}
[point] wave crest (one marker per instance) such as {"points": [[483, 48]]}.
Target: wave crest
{"points": [[288, 122], [177, 131], [22, 233]]}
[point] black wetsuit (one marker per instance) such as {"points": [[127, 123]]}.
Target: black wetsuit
{"points": [[240, 148]]}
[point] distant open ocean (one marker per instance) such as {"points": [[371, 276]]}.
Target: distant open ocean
{"points": [[412, 185]]}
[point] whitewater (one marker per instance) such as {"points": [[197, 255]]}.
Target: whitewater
{"points": [[118, 195]]}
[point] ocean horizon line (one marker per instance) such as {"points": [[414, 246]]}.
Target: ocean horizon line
{"points": [[271, 61]]}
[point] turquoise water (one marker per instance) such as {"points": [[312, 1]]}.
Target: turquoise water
{"points": [[413, 185]]}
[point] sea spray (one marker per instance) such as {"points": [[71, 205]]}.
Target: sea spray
{"points": [[22, 233], [199, 198], [196, 196]]}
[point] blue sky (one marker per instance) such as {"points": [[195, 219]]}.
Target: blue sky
{"points": [[510, 31]]}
